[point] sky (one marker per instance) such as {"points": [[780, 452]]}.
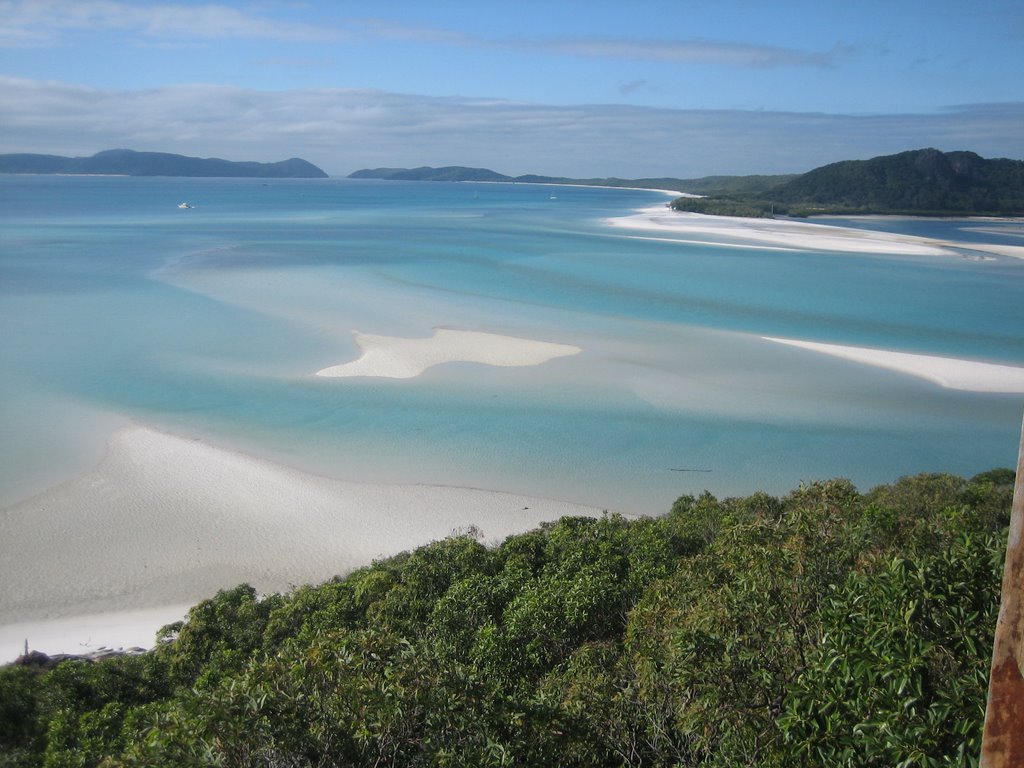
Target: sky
{"points": [[634, 88]]}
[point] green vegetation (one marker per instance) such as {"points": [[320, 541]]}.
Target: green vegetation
{"points": [[719, 186], [923, 182], [125, 162], [828, 627], [725, 206]]}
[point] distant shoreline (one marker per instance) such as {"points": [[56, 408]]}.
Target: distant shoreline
{"points": [[798, 234]]}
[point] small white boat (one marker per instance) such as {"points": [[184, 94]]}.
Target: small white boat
{"points": [[186, 205]]}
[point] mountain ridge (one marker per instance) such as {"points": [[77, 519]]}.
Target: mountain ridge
{"points": [[127, 162]]}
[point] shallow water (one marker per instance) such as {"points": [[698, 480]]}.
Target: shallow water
{"points": [[116, 305]]}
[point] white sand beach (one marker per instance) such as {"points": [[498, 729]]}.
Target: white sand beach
{"points": [[165, 521], [948, 372], [395, 357], [792, 235]]}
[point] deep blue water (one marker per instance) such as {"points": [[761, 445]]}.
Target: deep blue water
{"points": [[116, 305]]}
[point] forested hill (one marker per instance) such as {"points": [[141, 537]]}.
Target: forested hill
{"points": [[919, 182], [922, 180], [427, 173], [126, 162], [824, 628]]}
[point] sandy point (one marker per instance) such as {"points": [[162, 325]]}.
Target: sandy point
{"points": [[737, 231], [948, 372], [395, 357], [165, 521]]}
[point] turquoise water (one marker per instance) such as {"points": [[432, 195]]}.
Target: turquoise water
{"points": [[117, 306]]}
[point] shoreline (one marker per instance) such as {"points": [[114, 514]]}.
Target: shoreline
{"points": [[948, 372], [165, 521], [795, 235], [513, 182]]}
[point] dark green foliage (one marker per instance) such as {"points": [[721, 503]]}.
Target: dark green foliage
{"points": [[423, 578], [828, 627], [725, 206], [73, 715], [902, 664], [925, 513], [218, 636], [22, 726]]}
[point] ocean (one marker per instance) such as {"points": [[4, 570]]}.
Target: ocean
{"points": [[119, 307]]}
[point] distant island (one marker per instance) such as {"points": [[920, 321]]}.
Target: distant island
{"points": [[463, 173], [923, 182], [126, 162]]}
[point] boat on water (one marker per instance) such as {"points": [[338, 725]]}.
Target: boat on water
{"points": [[185, 205]]}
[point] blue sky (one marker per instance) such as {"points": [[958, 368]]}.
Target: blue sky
{"points": [[632, 89]]}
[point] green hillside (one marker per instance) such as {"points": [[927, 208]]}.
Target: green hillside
{"points": [[921, 182]]}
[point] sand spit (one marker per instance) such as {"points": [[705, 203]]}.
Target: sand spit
{"points": [[165, 521], [949, 372], [794, 235], [395, 357]]}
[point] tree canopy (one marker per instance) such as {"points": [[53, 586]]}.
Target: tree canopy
{"points": [[826, 627]]}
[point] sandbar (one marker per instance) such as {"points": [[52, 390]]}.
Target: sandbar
{"points": [[737, 231], [395, 357], [164, 521], [948, 372]]}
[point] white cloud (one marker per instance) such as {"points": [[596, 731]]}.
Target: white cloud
{"points": [[722, 53], [342, 130], [675, 51], [34, 22]]}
